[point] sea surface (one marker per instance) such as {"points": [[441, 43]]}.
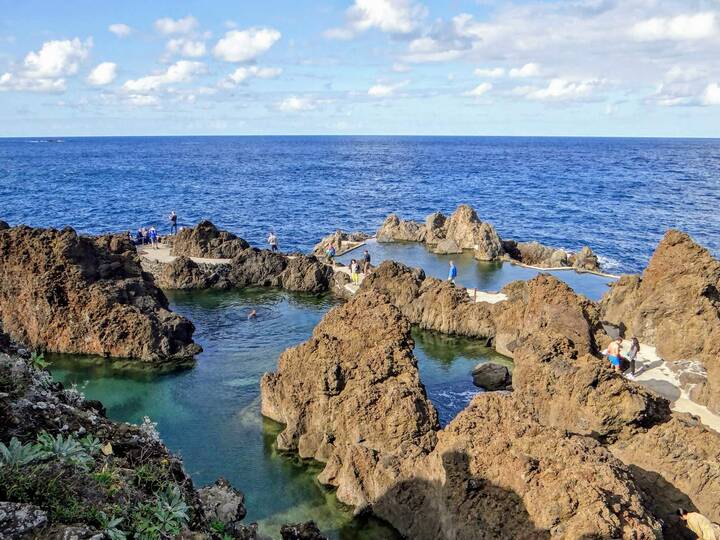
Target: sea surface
{"points": [[616, 195]]}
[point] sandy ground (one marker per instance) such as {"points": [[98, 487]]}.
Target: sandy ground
{"points": [[657, 376]]}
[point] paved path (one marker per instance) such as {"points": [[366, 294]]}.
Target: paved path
{"points": [[162, 254], [657, 376]]}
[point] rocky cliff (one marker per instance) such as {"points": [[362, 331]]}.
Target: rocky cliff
{"points": [[675, 306], [207, 241], [65, 293], [464, 230], [504, 468]]}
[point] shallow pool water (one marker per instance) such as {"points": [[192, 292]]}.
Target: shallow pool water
{"points": [[210, 414], [486, 276]]}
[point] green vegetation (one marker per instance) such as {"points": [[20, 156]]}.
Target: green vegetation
{"points": [[17, 455], [37, 360], [162, 517]]}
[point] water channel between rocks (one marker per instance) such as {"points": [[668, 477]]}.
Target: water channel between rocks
{"points": [[210, 414]]}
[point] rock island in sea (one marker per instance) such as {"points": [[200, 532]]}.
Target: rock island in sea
{"points": [[566, 448]]}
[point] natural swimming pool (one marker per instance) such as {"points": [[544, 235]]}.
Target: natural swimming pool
{"points": [[486, 276], [210, 414]]}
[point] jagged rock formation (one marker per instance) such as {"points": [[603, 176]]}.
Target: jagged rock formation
{"points": [[675, 306], [492, 376], [464, 230], [301, 531], [207, 241], [336, 239], [351, 397], [65, 293]]}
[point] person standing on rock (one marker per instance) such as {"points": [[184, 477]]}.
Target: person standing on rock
{"points": [[331, 255], [613, 352], [152, 234], [173, 222], [632, 355], [452, 274], [355, 272], [703, 528], [273, 241]]}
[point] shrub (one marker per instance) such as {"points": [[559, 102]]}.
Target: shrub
{"points": [[162, 517]]}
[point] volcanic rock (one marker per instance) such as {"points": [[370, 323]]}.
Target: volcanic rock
{"points": [[305, 274], [224, 504], [396, 230], [65, 293], [675, 306], [585, 259], [18, 520], [491, 376], [184, 273], [336, 239], [301, 531], [207, 241]]}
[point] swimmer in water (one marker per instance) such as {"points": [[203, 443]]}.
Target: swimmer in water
{"points": [[252, 315]]}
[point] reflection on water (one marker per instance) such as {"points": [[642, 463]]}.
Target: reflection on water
{"points": [[210, 414], [486, 276]]}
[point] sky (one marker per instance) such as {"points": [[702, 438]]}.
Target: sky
{"points": [[646, 68]]}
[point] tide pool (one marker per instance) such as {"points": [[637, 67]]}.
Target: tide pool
{"points": [[210, 414]]}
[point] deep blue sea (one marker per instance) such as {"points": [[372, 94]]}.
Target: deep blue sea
{"points": [[616, 195]]}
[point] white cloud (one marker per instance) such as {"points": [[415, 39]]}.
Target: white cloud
{"points": [[428, 49], [121, 30], [561, 90], [493, 73], [711, 95], [167, 26], [296, 103], [401, 68], [9, 81], [242, 74], [528, 70], [141, 100], [186, 47], [684, 74], [391, 16], [245, 45], [103, 74], [678, 28], [385, 90], [57, 58], [480, 90], [181, 71]]}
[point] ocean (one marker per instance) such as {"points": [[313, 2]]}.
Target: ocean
{"points": [[616, 195]]}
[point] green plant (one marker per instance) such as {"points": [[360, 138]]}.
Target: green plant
{"points": [[17, 454], [109, 526], [92, 445], [218, 526], [151, 476], [162, 517], [37, 360], [69, 449]]}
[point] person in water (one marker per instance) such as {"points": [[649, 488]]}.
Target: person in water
{"points": [[452, 274], [632, 355], [703, 528], [252, 314], [366, 262], [273, 241], [173, 222], [613, 352]]}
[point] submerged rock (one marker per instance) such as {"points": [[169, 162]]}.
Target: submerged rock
{"points": [[65, 293], [207, 241], [301, 531], [675, 306]]}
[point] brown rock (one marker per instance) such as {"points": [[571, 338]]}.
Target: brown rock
{"points": [[434, 228], [537, 254], [446, 246], [207, 241], [336, 239], [585, 259], [677, 463], [306, 274], [301, 531], [491, 376], [184, 273], [675, 306], [396, 230], [65, 293]]}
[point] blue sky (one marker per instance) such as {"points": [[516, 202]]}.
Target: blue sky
{"points": [[481, 67]]}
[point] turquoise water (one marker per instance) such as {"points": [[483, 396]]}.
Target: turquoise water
{"points": [[210, 414], [486, 276]]}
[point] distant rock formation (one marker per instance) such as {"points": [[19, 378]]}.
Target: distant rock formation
{"points": [[207, 241], [61, 292], [351, 397], [464, 230], [675, 306], [336, 240]]}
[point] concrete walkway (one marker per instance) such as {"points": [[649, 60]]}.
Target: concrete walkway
{"points": [[654, 373], [162, 254]]}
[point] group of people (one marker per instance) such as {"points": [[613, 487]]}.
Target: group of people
{"points": [[622, 363], [355, 268], [146, 235]]}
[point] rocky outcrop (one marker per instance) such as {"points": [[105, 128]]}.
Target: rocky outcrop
{"points": [[675, 306], [464, 231], [394, 229], [184, 274], [336, 240], [490, 376], [18, 520], [351, 397], [207, 241], [301, 531], [224, 504], [65, 293], [677, 463]]}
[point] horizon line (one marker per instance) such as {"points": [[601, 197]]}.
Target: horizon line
{"points": [[397, 135]]}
